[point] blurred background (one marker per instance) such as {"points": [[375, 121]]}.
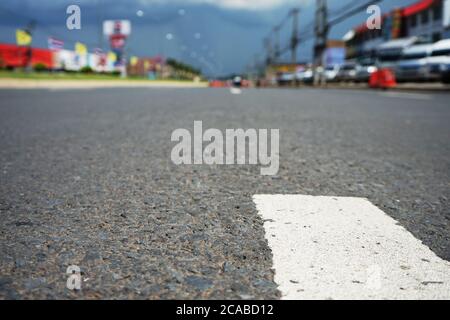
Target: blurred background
{"points": [[270, 42]]}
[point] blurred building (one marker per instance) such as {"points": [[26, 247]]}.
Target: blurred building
{"points": [[151, 67], [161, 68], [429, 20], [274, 71], [335, 53]]}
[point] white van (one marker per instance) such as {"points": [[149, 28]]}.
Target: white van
{"points": [[389, 53], [413, 65], [439, 62]]}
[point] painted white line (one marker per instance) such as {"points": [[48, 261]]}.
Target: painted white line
{"points": [[406, 95], [235, 91], [346, 248]]}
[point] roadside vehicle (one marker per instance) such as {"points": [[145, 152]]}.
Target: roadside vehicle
{"points": [[365, 70], [237, 82], [285, 78], [331, 73], [305, 76], [389, 53], [439, 61], [445, 73], [348, 72], [413, 65]]}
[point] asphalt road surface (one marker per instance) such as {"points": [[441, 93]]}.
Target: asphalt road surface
{"points": [[86, 179]]}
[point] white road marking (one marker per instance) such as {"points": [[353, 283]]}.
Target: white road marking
{"points": [[235, 91], [70, 89], [406, 95], [346, 248]]}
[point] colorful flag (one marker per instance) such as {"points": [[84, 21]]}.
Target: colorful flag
{"points": [[134, 61], [55, 44], [23, 37], [80, 49], [112, 57], [98, 51]]}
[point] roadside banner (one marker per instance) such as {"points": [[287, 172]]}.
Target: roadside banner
{"points": [[67, 60], [23, 38], [111, 27]]}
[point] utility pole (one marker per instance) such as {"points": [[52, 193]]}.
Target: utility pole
{"points": [[268, 46], [323, 26], [100, 23], [29, 50], [294, 38], [276, 34], [256, 66], [321, 31]]}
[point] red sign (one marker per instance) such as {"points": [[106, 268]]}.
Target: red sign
{"points": [[117, 41]]}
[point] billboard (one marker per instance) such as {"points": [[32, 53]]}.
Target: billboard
{"points": [[334, 56], [111, 27]]}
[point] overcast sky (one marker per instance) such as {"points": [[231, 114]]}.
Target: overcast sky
{"points": [[220, 36]]}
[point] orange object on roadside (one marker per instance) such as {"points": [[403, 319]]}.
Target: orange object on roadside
{"points": [[374, 80], [383, 78], [217, 84]]}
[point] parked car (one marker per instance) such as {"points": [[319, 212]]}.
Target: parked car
{"points": [[237, 82], [390, 52], [413, 65], [305, 76], [285, 78], [439, 61], [347, 72], [331, 73], [445, 73], [365, 70]]}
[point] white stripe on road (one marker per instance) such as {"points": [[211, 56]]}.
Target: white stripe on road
{"points": [[346, 248], [406, 95], [235, 91]]}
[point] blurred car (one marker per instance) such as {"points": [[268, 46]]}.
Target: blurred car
{"points": [[445, 73], [285, 78], [365, 70], [413, 65], [347, 72], [439, 61], [237, 82], [331, 73], [390, 52], [305, 76]]}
